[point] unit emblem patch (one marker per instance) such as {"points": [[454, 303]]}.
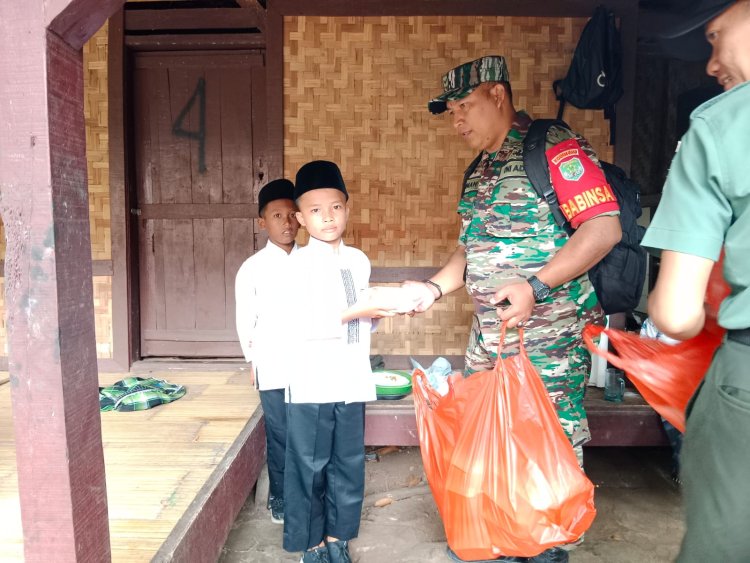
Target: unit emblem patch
{"points": [[572, 170]]}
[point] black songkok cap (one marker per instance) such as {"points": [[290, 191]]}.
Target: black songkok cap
{"points": [[273, 190], [319, 174]]}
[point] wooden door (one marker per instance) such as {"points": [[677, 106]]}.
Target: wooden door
{"points": [[198, 135]]}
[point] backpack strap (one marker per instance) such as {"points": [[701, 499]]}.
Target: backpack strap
{"points": [[467, 174], [561, 109], [469, 171], [537, 168], [557, 89], [611, 114]]}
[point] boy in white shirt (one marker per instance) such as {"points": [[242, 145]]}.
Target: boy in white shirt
{"points": [[260, 328], [332, 380]]}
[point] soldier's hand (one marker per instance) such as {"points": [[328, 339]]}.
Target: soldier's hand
{"points": [[515, 303], [423, 295]]}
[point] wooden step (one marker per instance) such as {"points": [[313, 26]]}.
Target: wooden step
{"points": [[630, 423]]}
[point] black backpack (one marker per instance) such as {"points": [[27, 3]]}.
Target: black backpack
{"points": [[594, 79], [618, 278]]}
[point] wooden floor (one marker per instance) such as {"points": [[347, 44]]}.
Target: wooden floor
{"points": [[156, 460], [176, 468]]}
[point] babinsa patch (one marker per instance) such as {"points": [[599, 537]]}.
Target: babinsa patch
{"points": [[580, 185]]}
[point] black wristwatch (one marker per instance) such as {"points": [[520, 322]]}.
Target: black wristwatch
{"points": [[541, 290]]}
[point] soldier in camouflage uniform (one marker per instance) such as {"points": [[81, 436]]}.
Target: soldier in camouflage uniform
{"points": [[508, 235]]}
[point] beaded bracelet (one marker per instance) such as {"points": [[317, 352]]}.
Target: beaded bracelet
{"points": [[436, 286]]}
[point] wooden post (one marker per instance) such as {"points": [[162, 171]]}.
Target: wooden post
{"points": [[49, 296]]}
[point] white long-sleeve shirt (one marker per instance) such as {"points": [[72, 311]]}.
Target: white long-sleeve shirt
{"points": [[259, 296], [331, 359]]}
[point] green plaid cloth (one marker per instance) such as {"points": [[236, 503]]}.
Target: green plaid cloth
{"points": [[138, 394]]}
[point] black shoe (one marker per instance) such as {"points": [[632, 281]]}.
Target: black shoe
{"points": [[552, 555], [338, 551], [276, 505], [317, 555], [500, 559]]}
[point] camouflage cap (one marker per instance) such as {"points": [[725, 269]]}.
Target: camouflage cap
{"points": [[462, 80]]}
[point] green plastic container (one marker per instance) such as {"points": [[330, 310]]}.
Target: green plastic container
{"points": [[392, 384]]}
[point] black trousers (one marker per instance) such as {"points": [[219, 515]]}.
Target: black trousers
{"points": [[274, 411], [324, 481]]}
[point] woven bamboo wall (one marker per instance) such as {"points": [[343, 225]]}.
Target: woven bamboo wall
{"points": [[355, 92], [95, 107], [97, 152]]}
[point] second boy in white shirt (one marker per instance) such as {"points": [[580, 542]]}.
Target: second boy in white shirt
{"points": [[258, 294]]}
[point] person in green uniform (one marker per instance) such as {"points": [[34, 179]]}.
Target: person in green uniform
{"points": [[516, 263], [706, 205]]}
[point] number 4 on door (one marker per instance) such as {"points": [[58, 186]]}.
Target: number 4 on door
{"points": [[200, 94]]}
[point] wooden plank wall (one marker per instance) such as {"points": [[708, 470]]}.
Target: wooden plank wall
{"points": [[355, 92]]}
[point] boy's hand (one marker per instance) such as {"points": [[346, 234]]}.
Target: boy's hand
{"points": [[377, 313], [378, 304], [396, 299], [366, 310]]}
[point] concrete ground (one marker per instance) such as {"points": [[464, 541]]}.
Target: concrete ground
{"points": [[638, 519]]}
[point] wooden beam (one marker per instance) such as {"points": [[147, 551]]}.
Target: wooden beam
{"points": [[539, 8], [99, 268], [203, 529], [630, 423], [198, 211], [124, 262], [256, 5], [273, 167], [391, 423], [403, 361], [207, 41], [77, 20], [209, 18], [185, 349], [49, 294]]}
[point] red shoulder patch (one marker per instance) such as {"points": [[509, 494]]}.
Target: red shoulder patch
{"points": [[582, 189]]}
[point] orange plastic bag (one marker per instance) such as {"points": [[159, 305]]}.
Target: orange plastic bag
{"points": [[717, 288], [504, 475], [666, 375]]}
